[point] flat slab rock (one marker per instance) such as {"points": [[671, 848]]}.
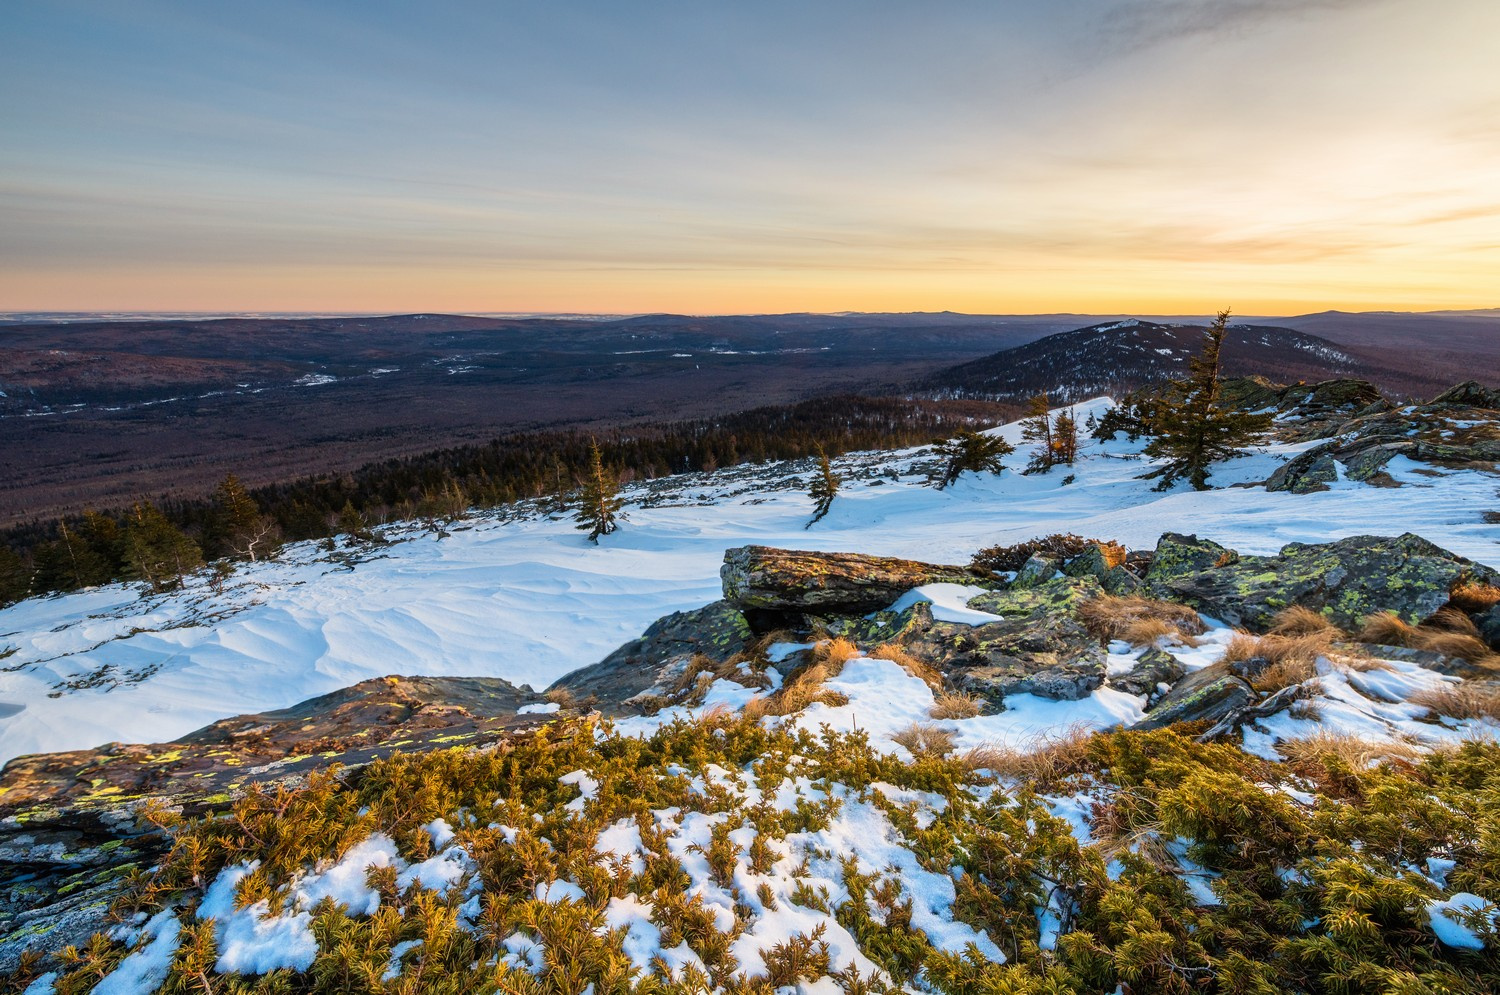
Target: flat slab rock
{"points": [[793, 580], [1206, 695], [1345, 580]]}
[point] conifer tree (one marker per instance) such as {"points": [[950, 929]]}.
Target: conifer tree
{"points": [[1065, 438], [15, 576], [1037, 428], [1190, 429], [238, 527], [599, 502], [352, 522], [824, 488], [971, 451], [156, 551], [70, 563]]}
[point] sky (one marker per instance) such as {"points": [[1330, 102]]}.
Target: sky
{"points": [[1148, 156]]}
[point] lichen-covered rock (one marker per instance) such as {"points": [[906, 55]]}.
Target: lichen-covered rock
{"points": [[1305, 473], [1059, 596], [1205, 695], [652, 662], [1107, 563], [1039, 648], [1038, 569], [782, 580], [868, 631], [1345, 580], [1152, 669]]}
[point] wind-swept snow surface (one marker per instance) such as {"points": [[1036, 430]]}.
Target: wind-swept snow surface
{"points": [[529, 599]]}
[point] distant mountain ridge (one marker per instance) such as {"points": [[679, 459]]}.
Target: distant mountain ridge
{"points": [[1113, 356]]}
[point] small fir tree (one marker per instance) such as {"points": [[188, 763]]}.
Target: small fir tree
{"points": [[824, 488], [15, 576], [1037, 428], [352, 523], [599, 502], [970, 451], [156, 551], [1190, 430], [1065, 438], [238, 527], [71, 562]]}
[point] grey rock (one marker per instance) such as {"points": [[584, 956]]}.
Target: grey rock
{"points": [[1205, 695], [1345, 580], [1153, 668], [1038, 569], [652, 663]]}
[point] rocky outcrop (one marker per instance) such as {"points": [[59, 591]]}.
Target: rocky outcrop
{"points": [[1345, 580], [650, 665], [1458, 428], [1470, 394], [71, 832], [1305, 411], [1039, 648], [789, 580]]}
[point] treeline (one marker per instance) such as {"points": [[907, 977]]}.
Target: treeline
{"points": [[158, 543]]}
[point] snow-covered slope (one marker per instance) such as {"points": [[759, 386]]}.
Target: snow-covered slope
{"points": [[528, 598]]}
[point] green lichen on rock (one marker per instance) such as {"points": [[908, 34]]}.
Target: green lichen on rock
{"points": [[1345, 580], [790, 580]]}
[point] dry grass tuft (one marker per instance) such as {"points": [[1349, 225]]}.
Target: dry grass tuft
{"points": [[1149, 631], [561, 697], [1240, 648], [1447, 632], [1451, 620], [1461, 701], [1307, 755], [917, 668], [1044, 763], [925, 740], [1113, 617], [955, 705], [1386, 629], [1289, 659], [1300, 621], [1474, 598], [804, 686]]}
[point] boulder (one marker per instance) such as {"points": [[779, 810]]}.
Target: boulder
{"points": [[1152, 669], [1039, 648], [1205, 695], [1107, 563], [789, 580], [653, 662], [1345, 580], [1038, 569], [869, 631]]}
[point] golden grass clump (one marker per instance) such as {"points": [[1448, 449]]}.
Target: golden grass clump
{"points": [[925, 740], [561, 697], [1473, 597], [955, 705], [917, 668], [1289, 659], [1448, 632], [1299, 621], [1306, 753], [804, 686], [1043, 763], [1386, 629], [1146, 619], [1461, 701]]}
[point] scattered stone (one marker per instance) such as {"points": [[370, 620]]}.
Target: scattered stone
{"points": [[1205, 695], [781, 580], [1152, 669], [1038, 569], [1470, 393]]}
